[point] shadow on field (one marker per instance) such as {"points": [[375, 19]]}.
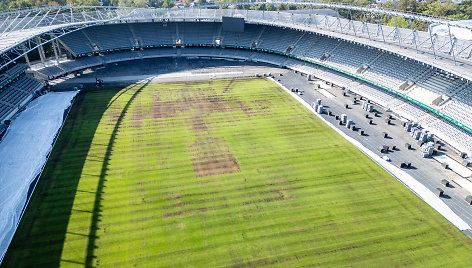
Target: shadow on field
{"points": [[40, 237], [98, 195]]}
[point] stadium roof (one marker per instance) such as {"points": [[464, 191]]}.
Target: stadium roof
{"points": [[19, 29]]}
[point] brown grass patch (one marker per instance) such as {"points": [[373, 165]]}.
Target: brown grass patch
{"points": [[212, 157]]}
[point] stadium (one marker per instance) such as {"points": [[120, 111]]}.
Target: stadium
{"points": [[223, 136]]}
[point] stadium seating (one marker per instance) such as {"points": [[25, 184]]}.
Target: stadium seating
{"points": [[51, 72], [423, 95], [324, 45], [230, 38], [418, 81], [350, 57], [111, 37], [195, 51], [121, 56], [374, 93], [392, 70], [198, 33], [440, 83], [270, 39], [17, 94], [305, 44], [270, 58], [452, 134], [157, 53], [460, 107], [151, 34], [11, 74], [250, 35], [77, 42], [80, 63]]}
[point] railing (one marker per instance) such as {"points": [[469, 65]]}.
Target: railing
{"points": [[429, 108], [438, 51]]}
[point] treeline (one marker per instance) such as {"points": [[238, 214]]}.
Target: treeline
{"points": [[7, 5], [447, 9], [444, 9]]}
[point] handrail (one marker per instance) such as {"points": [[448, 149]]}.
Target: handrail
{"points": [[427, 107]]}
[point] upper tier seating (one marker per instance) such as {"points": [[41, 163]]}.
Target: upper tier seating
{"points": [[151, 34], [77, 42], [440, 83], [391, 70], [324, 45], [250, 34], [270, 38], [198, 33], [110, 37], [305, 44], [351, 57]]}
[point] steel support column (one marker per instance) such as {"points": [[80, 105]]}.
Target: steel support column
{"points": [[432, 42], [42, 55], [56, 56], [26, 56], [413, 32], [396, 32], [452, 44]]}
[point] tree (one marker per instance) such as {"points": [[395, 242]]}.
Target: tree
{"points": [[282, 7], [407, 5], [168, 4]]}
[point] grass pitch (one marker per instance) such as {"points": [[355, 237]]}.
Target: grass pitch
{"points": [[220, 173]]}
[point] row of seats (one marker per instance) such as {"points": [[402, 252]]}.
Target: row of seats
{"points": [[452, 134], [350, 57], [54, 71], [387, 69], [440, 83], [447, 131], [270, 39], [460, 107], [384, 68], [148, 34], [391, 70], [110, 37], [374, 93], [11, 74], [16, 94], [77, 42], [423, 95]]}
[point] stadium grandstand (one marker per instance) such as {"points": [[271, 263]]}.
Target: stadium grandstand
{"points": [[421, 77]]}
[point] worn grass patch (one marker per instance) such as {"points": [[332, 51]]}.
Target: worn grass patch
{"points": [[230, 172]]}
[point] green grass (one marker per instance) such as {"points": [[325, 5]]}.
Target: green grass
{"points": [[220, 173]]}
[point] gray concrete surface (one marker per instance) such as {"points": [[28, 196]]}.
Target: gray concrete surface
{"points": [[164, 70], [426, 170]]}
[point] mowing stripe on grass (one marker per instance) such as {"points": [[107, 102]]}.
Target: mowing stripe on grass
{"points": [[146, 176]]}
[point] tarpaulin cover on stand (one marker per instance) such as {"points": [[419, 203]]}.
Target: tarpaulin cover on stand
{"points": [[23, 153]]}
